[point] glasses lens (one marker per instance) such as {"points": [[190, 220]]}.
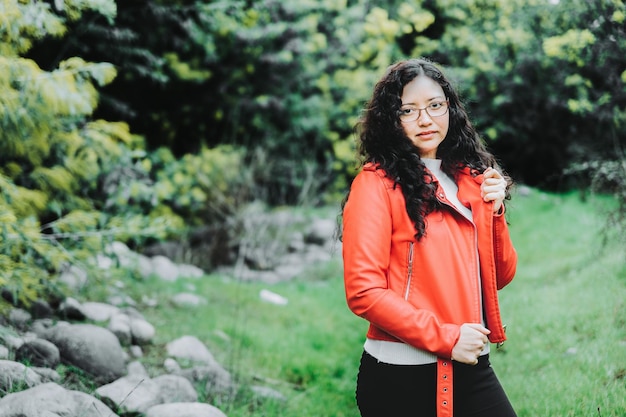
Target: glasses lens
{"points": [[437, 109], [408, 114]]}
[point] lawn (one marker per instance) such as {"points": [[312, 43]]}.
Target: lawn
{"points": [[565, 314], [566, 311]]}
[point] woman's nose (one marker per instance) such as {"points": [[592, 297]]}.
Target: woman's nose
{"points": [[423, 118]]}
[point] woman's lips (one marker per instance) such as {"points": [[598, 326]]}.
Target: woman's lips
{"points": [[427, 135]]}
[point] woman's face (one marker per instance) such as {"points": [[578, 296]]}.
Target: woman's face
{"points": [[420, 97]]}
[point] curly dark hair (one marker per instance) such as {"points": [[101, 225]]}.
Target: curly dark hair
{"points": [[382, 141]]}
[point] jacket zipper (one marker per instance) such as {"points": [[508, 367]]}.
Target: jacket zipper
{"points": [[410, 272], [478, 283]]}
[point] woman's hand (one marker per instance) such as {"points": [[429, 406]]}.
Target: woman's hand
{"points": [[471, 343], [493, 188]]}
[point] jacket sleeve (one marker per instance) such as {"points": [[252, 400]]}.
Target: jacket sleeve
{"points": [[367, 236]]}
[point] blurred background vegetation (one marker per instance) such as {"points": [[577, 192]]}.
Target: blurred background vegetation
{"points": [[143, 121]]}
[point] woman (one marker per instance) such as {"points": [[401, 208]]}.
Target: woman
{"points": [[426, 247]]}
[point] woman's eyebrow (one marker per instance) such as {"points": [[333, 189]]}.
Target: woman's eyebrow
{"points": [[429, 100]]}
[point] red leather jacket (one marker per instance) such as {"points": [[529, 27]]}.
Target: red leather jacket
{"points": [[421, 292]]}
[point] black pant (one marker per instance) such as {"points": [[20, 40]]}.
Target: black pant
{"points": [[385, 390]]}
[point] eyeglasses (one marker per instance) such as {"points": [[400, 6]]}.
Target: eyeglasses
{"points": [[434, 109]]}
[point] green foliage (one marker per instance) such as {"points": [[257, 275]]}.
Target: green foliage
{"points": [[205, 188], [24, 22], [53, 157], [276, 63], [545, 80], [286, 77], [569, 46], [560, 99]]}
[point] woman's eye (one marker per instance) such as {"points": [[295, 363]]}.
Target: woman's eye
{"points": [[435, 106], [406, 111]]}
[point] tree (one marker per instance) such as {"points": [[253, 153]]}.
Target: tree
{"points": [[284, 80], [52, 154], [545, 80]]}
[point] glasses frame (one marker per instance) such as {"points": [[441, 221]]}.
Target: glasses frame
{"points": [[419, 111]]}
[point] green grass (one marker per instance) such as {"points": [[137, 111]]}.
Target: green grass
{"points": [[308, 349], [565, 311]]}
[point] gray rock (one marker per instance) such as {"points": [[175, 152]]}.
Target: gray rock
{"points": [[12, 341], [136, 369], [121, 300], [41, 326], [91, 348], [131, 394], [190, 271], [133, 313], [260, 259], [39, 352], [171, 365], [188, 300], [119, 325], [164, 268], [4, 352], [71, 309], [267, 393], [296, 242], [288, 271], [190, 348], [273, 298], [104, 262], [141, 331], [175, 389], [316, 255], [119, 249], [185, 410], [52, 400], [99, 311], [320, 232], [41, 309], [74, 277], [129, 259], [47, 374], [217, 380], [149, 301], [19, 318], [135, 351], [16, 375], [144, 266], [250, 275]]}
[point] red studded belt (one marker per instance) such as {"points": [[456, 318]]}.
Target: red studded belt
{"points": [[444, 387]]}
